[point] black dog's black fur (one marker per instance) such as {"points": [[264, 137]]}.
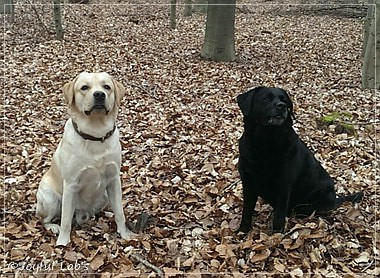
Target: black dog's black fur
{"points": [[276, 165]]}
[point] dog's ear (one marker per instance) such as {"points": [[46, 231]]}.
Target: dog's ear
{"points": [[245, 101], [119, 92], [68, 92], [290, 109]]}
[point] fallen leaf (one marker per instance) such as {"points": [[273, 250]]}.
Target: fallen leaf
{"points": [[71, 256], [97, 262], [261, 256]]}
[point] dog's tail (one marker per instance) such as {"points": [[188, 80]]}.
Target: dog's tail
{"points": [[353, 198]]}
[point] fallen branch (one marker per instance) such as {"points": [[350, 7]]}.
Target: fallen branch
{"points": [[339, 7], [140, 259], [359, 123]]}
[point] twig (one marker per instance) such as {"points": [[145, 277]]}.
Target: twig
{"points": [[140, 259], [38, 16], [368, 266], [231, 185], [141, 87]]}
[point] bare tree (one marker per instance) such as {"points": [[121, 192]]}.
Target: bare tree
{"points": [[58, 19], [173, 8], [371, 46], [187, 8], [219, 42]]}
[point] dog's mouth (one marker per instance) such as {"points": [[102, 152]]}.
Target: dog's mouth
{"points": [[276, 120], [97, 109]]}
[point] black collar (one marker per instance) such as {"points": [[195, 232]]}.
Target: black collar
{"points": [[86, 136]]}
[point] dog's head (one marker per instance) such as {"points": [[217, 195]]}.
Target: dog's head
{"points": [[94, 93], [266, 106]]}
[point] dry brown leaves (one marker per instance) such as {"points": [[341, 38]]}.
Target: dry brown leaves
{"points": [[179, 130]]}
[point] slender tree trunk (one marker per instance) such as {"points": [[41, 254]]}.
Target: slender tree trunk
{"points": [[173, 11], [371, 48], [187, 9], [367, 25], [58, 19], [219, 43]]}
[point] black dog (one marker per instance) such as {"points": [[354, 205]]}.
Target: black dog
{"points": [[276, 165]]}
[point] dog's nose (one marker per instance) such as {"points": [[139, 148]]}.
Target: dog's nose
{"points": [[99, 95], [281, 105]]}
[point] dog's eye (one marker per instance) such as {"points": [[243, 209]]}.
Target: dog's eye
{"points": [[84, 88], [267, 99], [107, 87]]}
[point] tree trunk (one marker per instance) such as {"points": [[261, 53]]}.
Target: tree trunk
{"points": [[371, 47], [173, 8], [200, 6], [219, 43], [187, 9], [7, 7], [57, 19]]}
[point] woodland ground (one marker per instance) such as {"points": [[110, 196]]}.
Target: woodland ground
{"points": [[179, 127]]}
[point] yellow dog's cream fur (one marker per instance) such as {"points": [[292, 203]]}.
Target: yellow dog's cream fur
{"points": [[85, 175]]}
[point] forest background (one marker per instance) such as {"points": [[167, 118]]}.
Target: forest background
{"points": [[179, 126]]}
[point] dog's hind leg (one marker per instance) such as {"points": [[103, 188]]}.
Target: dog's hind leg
{"points": [[354, 198], [331, 201], [326, 201], [48, 207]]}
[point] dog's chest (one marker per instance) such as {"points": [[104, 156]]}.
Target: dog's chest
{"points": [[93, 181], [102, 166], [99, 159], [92, 164], [100, 163]]}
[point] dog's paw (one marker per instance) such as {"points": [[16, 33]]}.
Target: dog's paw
{"points": [[52, 227], [244, 228], [126, 233], [82, 217], [357, 197], [62, 240]]}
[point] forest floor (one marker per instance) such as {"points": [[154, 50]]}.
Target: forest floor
{"points": [[179, 126]]}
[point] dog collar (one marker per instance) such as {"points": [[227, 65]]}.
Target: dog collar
{"points": [[86, 136]]}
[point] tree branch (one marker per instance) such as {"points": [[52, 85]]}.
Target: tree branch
{"points": [[38, 16], [140, 259]]}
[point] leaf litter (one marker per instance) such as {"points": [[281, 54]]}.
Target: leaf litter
{"points": [[179, 128]]}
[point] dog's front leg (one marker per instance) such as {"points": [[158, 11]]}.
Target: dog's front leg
{"points": [[68, 207], [114, 196], [280, 214], [249, 203]]}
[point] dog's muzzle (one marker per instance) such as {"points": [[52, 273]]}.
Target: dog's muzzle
{"points": [[99, 103], [278, 115]]}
